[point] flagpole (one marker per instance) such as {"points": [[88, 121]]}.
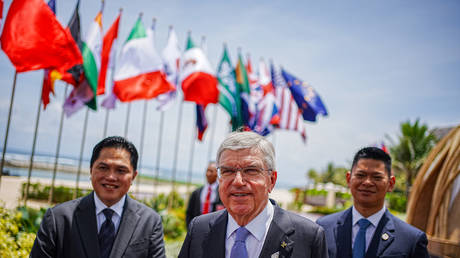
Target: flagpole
{"points": [[58, 148], [82, 147], [128, 111], [31, 161], [8, 126], [190, 164], [213, 132], [176, 149], [141, 149], [106, 122], [157, 166]]}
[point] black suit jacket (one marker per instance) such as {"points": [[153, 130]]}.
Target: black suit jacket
{"points": [[392, 238], [194, 204], [70, 230], [289, 235]]}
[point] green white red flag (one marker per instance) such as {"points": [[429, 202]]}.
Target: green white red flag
{"points": [[197, 76], [139, 73]]}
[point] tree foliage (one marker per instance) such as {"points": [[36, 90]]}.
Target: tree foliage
{"points": [[331, 173], [409, 152]]}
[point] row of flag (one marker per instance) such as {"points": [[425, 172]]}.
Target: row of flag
{"points": [[259, 100]]}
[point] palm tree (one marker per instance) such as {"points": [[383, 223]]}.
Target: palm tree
{"points": [[408, 155]]}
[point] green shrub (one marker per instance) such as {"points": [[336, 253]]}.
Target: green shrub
{"points": [[314, 192], [15, 241], [61, 194], [397, 201], [325, 210], [173, 218]]}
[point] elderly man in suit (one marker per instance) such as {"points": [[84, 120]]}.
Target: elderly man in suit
{"points": [[251, 225], [368, 229], [107, 222], [206, 198]]}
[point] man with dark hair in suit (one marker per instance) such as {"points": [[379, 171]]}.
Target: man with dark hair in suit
{"points": [[206, 198], [251, 225], [368, 229], [107, 222]]}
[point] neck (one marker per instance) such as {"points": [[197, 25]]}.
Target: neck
{"points": [[367, 211]]}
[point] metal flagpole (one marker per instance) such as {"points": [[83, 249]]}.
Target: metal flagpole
{"points": [[157, 166], [141, 149], [176, 151], [190, 164], [128, 111], [7, 127], [213, 132], [85, 126], [106, 122], [58, 148], [31, 162]]}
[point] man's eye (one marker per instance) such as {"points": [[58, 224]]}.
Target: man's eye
{"points": [[251, 171], [360, 175], [227, 171], [377, 178], [102, 168]]}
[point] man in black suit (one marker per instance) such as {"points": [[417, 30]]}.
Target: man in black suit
{"points": [[251, 225], [206, 198], [107, 222], [368, 229]]}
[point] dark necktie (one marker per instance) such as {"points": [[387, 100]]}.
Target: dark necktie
{"points": [[207, 201], [359, 248], [239, 247], [106, 234]]}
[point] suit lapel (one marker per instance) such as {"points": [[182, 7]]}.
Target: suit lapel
{"points": [[126, 229], [85, 217], [214, 243], [277, 239], [343, 234], [388, 229]]}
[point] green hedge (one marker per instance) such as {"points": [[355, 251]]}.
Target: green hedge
{"points": [[397, 201], [17, 230], [61, 194]]}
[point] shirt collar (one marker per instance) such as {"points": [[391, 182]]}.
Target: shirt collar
{"points": [[374, 218], [257, 227], [117, 207], [213, 185]]}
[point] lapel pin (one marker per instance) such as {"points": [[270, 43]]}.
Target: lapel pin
{"points": [[283, 244], [385, 236]]}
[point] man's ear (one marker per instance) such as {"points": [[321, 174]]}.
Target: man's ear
{"points": [[348, 177], [134, 174], [391, 186], [273, 177]]}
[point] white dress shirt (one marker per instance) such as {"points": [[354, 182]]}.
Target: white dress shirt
{"points": [[258, 228], [117, 208], [374, 219], [213, 196]]}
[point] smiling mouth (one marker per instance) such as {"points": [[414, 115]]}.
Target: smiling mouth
{"points": [[239, 194], [366, 191], [110, 186]]}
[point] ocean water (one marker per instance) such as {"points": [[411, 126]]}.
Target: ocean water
{"points": [[165, 173]]}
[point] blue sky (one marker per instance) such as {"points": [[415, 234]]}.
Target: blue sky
{"points": [[374, 63]]}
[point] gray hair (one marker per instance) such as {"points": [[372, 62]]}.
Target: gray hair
{"points": [[249, 140]]}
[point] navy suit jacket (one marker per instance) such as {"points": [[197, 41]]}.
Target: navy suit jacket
{"points": [[289, 235], [70, 230], [403, 239]]}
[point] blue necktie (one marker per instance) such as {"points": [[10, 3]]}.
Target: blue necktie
{"points": [[359, 248], [239, 247], [106, 234]]}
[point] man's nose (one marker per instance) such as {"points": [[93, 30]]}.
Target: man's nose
{"points": [[239, 179]]}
